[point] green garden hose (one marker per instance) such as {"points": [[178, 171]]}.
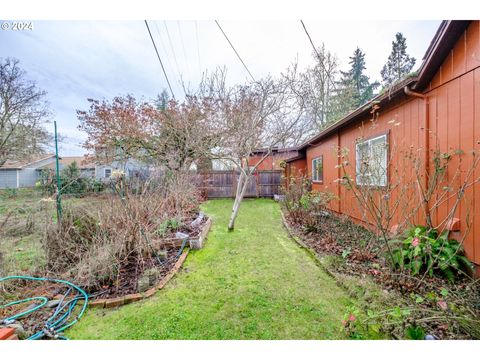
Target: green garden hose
{"points": [[59, 321]]}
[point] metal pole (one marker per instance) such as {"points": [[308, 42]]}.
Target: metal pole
{"points": [[59, 183]]}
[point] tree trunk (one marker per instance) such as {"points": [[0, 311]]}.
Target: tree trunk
{"points": [[241, 188]]}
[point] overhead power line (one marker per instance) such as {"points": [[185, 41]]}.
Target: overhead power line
{"points": [[226, 37], [183, 47], [320, 60], [168, 58], [311, 42], [159, 59], [173, 50], [198, 47]]}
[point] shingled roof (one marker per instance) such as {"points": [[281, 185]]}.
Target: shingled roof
{"points": [[20, 164]]}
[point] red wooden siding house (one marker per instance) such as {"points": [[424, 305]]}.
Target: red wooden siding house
{"points": [[437, 108], [274, 160]]}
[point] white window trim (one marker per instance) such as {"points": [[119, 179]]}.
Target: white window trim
{"points": [[313, 169], [105, 173], [358, 176]]}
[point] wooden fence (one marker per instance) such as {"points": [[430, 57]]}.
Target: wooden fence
{"points": [[223, 184]]}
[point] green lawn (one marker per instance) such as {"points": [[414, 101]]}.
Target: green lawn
{"points": [[253, 283]]}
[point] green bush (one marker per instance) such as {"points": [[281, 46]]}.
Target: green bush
{"points": [[425, 250], [71, 180], [168, 225]]}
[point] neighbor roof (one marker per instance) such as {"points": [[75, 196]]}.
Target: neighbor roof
{"points": [[20, 164], [82, 161]]}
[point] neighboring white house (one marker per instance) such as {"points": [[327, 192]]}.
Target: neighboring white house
{"points": [[102, 172], [131, 168], [87, 168], [20, 174]]}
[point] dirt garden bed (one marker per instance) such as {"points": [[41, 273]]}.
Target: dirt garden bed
{"points": [[399, 305]]}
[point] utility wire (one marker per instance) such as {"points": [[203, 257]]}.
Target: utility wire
{"points": [[226, 37], [159, 59], [164, 47], [316, 52], [173, 52], [311, 42], [183, 48]]}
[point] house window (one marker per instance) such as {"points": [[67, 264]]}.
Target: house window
{"points": [[371, 164], [108, 173], [317, 169]]}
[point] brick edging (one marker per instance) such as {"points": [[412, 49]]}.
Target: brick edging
{"points": [[130, 298]]}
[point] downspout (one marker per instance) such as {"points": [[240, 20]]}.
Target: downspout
{"points": [[409, 92]]}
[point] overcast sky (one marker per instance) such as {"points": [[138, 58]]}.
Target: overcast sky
{"points": [[76, 60]]}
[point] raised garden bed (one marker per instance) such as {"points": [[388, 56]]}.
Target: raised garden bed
{"points": [[131, 294], [127, 291]]}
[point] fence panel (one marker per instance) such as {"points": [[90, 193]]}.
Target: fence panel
{"points": [[269, 183], [223, 184]]}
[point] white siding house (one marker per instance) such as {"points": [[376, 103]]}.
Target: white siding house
{"points": [[20, 174]]}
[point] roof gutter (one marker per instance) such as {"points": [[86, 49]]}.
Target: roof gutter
{"points": [[426, 141], [410, 92]]}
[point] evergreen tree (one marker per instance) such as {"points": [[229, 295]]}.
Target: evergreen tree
{"points": [[399, 63], [354, 87], [162, 100]]}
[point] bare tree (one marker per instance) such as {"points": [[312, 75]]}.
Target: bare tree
{"points": [[23, 113], [318, 84], [248, 117], [168, 133]]}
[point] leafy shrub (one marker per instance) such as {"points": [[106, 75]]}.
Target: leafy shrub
{"points": [[425, 250], [168, 225], [72, 182]]}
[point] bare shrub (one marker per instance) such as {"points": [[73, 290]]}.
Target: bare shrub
{"points": [[422, 182], [94, 247], [304, 206]]}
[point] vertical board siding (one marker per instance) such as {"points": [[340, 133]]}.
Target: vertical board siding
{"points": [[467, 141], [475, 234], [454, 118]]}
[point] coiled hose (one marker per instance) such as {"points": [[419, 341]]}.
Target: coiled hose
{"points": [[60, 320]]}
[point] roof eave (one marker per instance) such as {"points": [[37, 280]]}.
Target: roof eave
{"points": [[442, 43], [361, 111]]}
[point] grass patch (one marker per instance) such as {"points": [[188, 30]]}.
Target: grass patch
{"points": [[253, 283], [22, 226]]}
